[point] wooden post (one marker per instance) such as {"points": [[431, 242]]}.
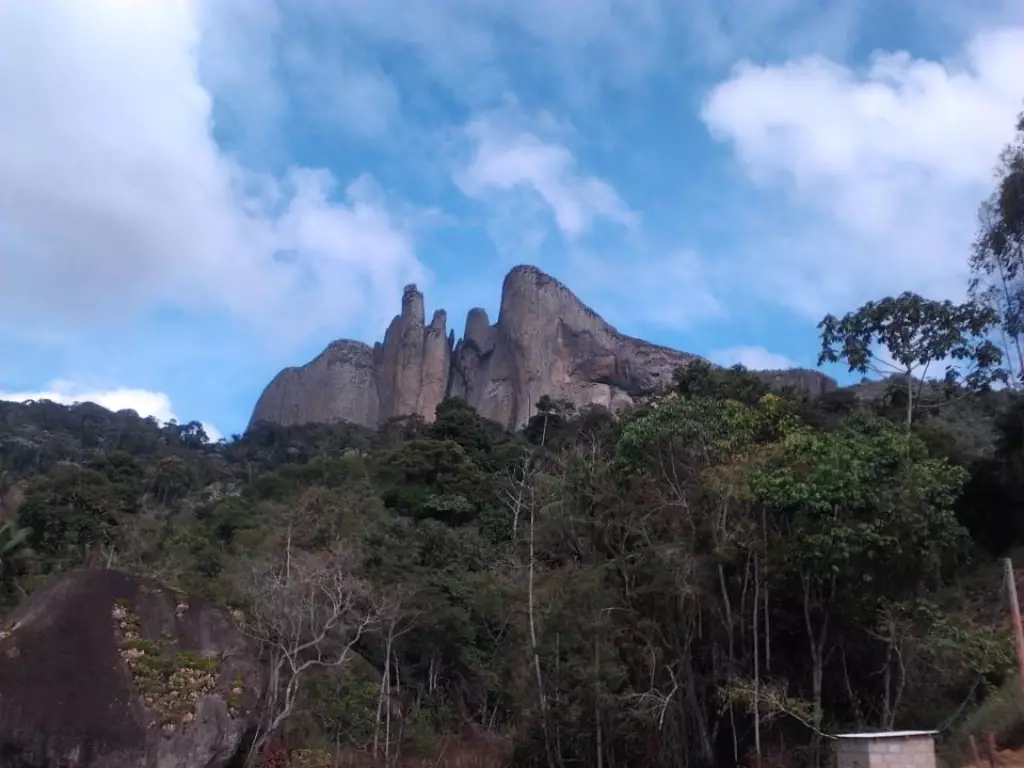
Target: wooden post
{"points": [[991, 738], [974, 752], [1018, 629]]}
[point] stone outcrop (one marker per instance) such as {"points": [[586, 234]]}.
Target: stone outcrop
{"points": [[99, 669], [412, 364], [340, 384], [545, 342]]}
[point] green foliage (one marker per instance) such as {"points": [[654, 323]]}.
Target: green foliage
{"points": [[864, 504], [916, 332], [641, 532], [432, 478], [68, 512], [640, 586], [699, 379], [997, 258], [990, 505], [484, 442]]}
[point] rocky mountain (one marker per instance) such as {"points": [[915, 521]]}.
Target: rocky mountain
{"points": [[545, 342]]}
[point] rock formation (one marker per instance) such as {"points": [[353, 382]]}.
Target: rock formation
{"points": [[545, 342], [103, 670]]}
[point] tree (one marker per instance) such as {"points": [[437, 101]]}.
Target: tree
{"points": [[69, 513], [172, 479], [699, 379], [917, 333], [997, 258], [695, 453], [432, 478], [863, 515], [306, 611]]}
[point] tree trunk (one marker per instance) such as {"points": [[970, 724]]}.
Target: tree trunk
{"points": [[707, 750], [816, 645], [729, 629], [598, 734], [1016, 337], [757, 668], [910, 398], [887, 714], [541, 699], [764, 570]]}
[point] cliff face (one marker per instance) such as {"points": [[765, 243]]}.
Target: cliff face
{"points": [[545, 342], [340, 384]]}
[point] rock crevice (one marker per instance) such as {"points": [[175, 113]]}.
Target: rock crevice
{"points": [[545, 342]]}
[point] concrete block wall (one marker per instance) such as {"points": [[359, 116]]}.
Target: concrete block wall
{"points": [[853, 753], [893, 752]]}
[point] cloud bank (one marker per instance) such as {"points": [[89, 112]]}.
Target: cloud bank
{"points": [[881, 169], [116, 198]]}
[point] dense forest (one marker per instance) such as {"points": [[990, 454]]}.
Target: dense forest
{"points": [[721, 572]]}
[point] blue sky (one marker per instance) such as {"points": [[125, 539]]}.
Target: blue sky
{"points": [[194, 194]]}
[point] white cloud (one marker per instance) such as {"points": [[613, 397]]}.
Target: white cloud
{"points": [[509, 160], [115, 197], [752, 357], [143, 401], [884, 168]]}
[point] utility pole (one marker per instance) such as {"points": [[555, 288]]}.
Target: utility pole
{"points": [[1018, 629]]}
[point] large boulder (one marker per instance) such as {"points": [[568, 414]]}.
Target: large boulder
{"points": [[98, 668]]}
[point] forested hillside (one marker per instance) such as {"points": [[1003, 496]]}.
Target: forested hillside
{"points": [[720, 572], [585, 592]]}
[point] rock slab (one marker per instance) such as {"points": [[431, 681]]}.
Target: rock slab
{"points": [[545, 342], [77, 691]]}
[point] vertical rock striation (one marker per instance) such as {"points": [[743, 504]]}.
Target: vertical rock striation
{"points": [[545, 342]]}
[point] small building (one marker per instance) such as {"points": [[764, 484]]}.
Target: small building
{"points": [[886, 749]]}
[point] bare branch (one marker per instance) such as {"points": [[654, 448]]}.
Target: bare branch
{"points": [[305, 610]]}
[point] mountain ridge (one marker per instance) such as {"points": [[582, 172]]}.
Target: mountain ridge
{"points": [[546, 341]]}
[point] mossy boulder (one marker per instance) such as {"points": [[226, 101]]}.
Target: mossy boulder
{"points": [[99, 668]]}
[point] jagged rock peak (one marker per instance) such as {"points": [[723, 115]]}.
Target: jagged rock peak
{"points": [[525, 278], [478, 329], [546, 341], [412, 304]]}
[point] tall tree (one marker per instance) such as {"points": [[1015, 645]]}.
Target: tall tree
{"points": [[997, 260], [917, 333], [865, 516]]}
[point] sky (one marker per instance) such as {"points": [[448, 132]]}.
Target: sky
{"points": [[197, 193]]}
